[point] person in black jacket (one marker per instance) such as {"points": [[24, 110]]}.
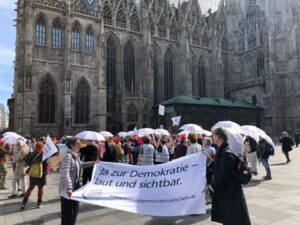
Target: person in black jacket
{"points": [[228, 203], [88, 153], [263, 152], [287, 144]]}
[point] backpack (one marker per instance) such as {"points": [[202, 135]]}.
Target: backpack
{"points": [[243, 171], [271, 150]]}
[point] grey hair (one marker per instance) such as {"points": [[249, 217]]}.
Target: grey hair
{"points": [[20, 143]]}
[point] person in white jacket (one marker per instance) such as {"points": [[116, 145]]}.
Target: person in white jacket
{"points": [[194, 147]]}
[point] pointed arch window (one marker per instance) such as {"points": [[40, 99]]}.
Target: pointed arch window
{"points": [[224, 44], [261, 38], [121, 19], [40, 31], [196, 37], [75, 38], [107, 17], [57, 34], [241, 44], [134, 22], [173, 31], [155, 78], [89, 41], [162, 31], [193, 66], [82, 102], [260, 64], [111, 74], [169, 63], [47, 100], [201, 77], [252, 41], [132, 115], [205, 40], [129, 67], [151, 25]]}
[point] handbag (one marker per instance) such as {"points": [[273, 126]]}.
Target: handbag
{"points": [[36, 169]]}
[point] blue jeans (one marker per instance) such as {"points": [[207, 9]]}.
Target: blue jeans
{"points": [[265, 163]]}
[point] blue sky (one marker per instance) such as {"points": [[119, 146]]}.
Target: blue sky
{"points": [[7, 48], [8, 36]]}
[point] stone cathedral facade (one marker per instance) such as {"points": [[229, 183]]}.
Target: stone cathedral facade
{"points": [[105, 64]]}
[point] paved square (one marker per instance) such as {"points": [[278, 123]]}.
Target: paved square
{"points": [[275, 202]]}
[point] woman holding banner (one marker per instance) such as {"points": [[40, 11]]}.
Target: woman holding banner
{"points": [[228, 204], [69, 181]]}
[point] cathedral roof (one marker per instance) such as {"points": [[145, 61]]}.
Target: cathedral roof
{"points": [[222, 102]]}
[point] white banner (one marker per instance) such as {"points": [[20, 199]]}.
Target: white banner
{"points": [[161, 110], [176, 120], [50, 148], [170, 189]]}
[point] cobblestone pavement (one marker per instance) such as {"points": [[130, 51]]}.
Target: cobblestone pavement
{"points": [[275, 202]]}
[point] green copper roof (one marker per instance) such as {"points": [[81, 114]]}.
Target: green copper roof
{"points": [[190, 100]]}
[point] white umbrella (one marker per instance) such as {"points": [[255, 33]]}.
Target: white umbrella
{"points": [[255, 133], [236, 143], [207, 133], [146, 132], [235, 140], [163, 132], [228, 124], [191, 128], [131, 133], [90, 135], [9, 133], [12, 138], [123, 134], [106, 134]]}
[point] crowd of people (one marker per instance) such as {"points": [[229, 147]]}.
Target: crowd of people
{"points": [[77, 163]]}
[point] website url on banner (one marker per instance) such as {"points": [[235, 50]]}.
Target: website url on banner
{"points": [[180, 199]]}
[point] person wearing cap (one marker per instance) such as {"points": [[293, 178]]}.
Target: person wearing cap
{"points": [[287, 145], [71, 167], [181, 148]]}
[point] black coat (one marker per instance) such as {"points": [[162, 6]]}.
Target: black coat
{"points": [[229, 204], [287, 143], [89, 153]]}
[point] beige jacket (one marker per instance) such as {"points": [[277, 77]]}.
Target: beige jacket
{"points": [[21, 166]]}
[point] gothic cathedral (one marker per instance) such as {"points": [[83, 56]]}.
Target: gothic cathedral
{"points": [[105, 64]]}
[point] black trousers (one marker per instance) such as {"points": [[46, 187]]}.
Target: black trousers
{"points": [[69, 211], [287, 155]]}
